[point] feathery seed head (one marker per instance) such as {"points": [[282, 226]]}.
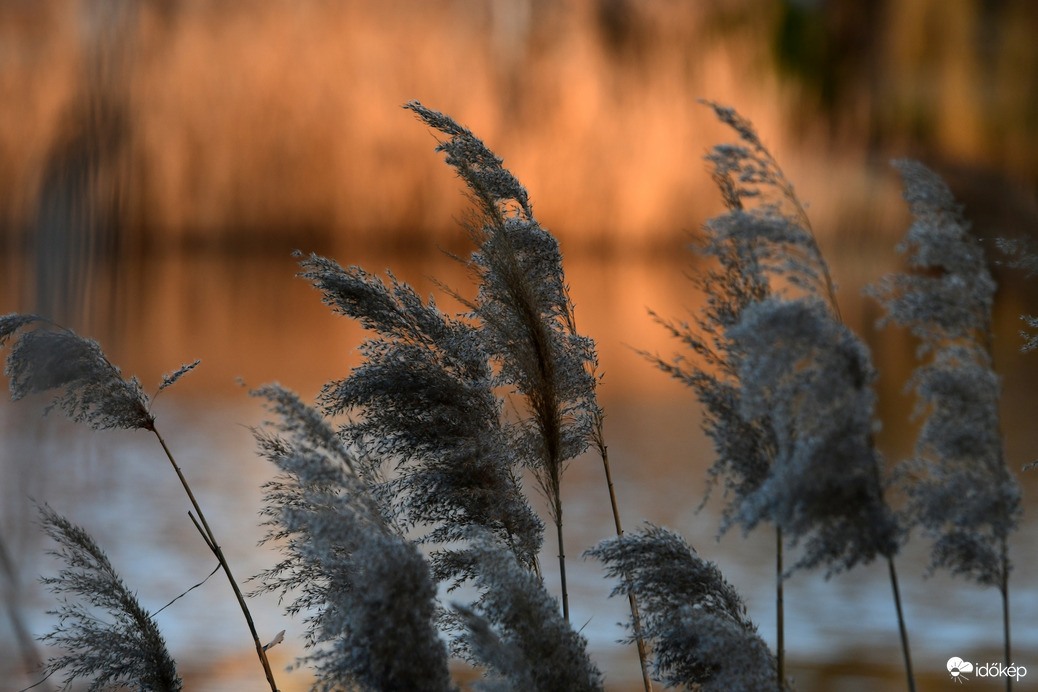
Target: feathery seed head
{"points": [[959, 490], [122, 648], [89, 388], [696, 621]]}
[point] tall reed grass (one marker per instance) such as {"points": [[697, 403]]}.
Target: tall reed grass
{"points": [[411, 471]]}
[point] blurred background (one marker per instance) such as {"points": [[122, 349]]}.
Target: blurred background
{"points": [[160, 161]]}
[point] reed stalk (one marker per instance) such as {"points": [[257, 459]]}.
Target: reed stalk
{"points": [[1004, 588], [905, 651], [210, 540], [780, 623], [31, 658], [643, 656]]}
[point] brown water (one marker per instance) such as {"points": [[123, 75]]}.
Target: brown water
{"points": [[249, 318]]}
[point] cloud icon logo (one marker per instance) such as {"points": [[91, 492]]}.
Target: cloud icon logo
{"points": [[957, 667]]}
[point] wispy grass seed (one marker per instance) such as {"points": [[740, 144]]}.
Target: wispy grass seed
{"points": [[959, 487], [106, 635], [90, 389], [524, 315], [516, 630], [423, 401], [695, 620], [366, 591]]}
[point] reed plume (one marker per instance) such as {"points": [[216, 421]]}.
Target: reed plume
{"points": [[424, 398], [525, 316], [89, 388], [697, 623], [365, 589], [785, 386], [959, 488], [125, 646], [516, 630]]}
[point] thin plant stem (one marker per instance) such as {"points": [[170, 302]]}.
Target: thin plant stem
{"points": [[210, 540], [1005, 611], [903, 631], [603, 451], [1004, 586], [32, 660], [901, 625], [562, 558], [780, 623], [635, 617]]}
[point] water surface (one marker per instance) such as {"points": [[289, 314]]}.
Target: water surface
{"points": [[250, 319]]}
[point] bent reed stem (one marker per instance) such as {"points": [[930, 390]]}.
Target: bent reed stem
{"points": [[562, 560], [780, 626], [31, 658], [210, 540], [635, 617], [901, 625], [1005, 610]]}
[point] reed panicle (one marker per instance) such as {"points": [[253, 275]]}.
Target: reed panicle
{"points": [[525, 316], [89, 388], [366, 590], [781, 244], [424, 398], [516, 630], [811, 376], [695, 620], [960, 491], [959, 488], [107, 636], [785, 385]]}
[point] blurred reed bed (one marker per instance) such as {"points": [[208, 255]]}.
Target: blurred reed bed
{"points": [[246, 124]]}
